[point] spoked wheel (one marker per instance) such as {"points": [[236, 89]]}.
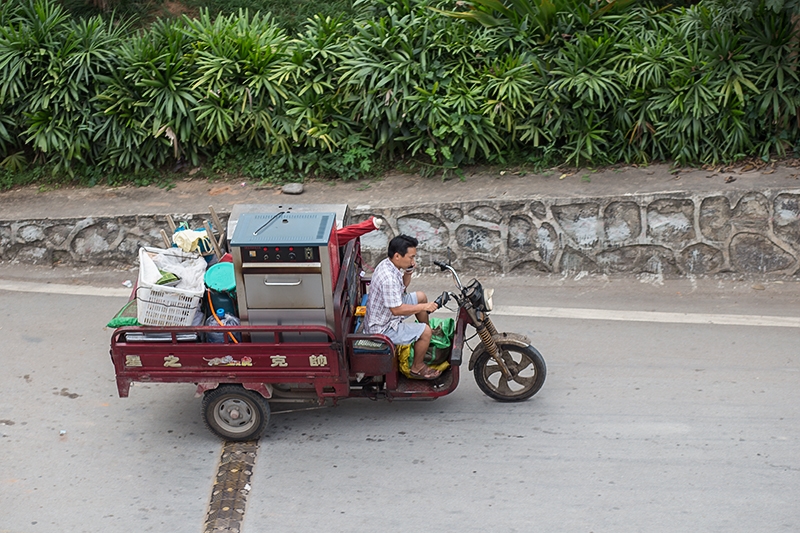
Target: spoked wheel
{"points": [[528, 372], [235, 413]]}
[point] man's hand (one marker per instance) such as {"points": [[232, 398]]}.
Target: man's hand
{"points": [[430, 307], [414, 309], [442, 300]]}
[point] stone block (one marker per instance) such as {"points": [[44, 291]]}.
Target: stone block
{"points": [[751, 214], [453, 214], [478, 239], [715, 214], [475, 264], [58, 234], [671, 222], [573, 261], [5, 239], [30, 233], [547, 243], [580, 222], [699, 259], [539, 210], [130, 245], [154, 236], [638, 258], [147, 224], [375, 244], [787, 219], [526, 242], [529, 267], [511, 208], [486, 214], [62, 258], [622, 222], [429, 230], [90, 243], [756, 254], [718, 221], [34, 255], [521, 235]]}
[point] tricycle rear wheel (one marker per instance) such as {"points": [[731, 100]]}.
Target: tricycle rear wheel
{"points": [[526, 365], [235, 413]]}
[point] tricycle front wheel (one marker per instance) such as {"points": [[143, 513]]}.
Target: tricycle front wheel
{"points": [[235, 413], [527, 368]]}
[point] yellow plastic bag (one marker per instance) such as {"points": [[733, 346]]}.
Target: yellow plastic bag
{"points": [[405, 359], [192, 241]]}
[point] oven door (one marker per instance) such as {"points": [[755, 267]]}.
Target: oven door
{"points": [[289, 317], [284, 291]]}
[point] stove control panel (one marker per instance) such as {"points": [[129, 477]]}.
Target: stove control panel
{"points": [[280, 254]]}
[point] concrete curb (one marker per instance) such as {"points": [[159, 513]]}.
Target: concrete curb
{"points": [[670, 234]]}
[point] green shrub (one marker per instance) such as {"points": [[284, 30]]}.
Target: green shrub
{"points": [[567, 81]]}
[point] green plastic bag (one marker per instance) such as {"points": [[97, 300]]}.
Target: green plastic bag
{"points": [[438, 355], [441, 341], [125, 317]]}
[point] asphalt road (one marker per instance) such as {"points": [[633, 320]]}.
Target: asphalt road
{"points": [[669, 406]]}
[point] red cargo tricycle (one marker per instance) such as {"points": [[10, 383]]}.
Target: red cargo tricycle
{"points": [[267, 363]]}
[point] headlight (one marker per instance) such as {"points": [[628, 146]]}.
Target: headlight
{"points": [[474, 293], [487, 297]]}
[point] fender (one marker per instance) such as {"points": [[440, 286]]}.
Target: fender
{"points": [[501, 338], [264, 389]]}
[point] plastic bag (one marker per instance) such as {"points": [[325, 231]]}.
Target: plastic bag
{"points": [[192, 240], [125, 317], [188, 268], [441, 345], [438, 352]]}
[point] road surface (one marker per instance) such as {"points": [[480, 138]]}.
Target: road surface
{"points": [[669, 406]]}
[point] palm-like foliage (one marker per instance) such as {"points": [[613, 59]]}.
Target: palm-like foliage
{"points": [[51, 67], [542, 19], [576, 81], [240, 66]]}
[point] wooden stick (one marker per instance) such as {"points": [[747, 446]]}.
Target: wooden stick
{"points": [[218, 224], [212, 239], [171, 223], [166, 239]]}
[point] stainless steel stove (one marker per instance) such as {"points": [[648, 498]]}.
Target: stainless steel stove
{"points": [[285, 265]]}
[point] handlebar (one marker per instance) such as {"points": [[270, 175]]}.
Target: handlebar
{"points": [[442, 300], [444, 267]]}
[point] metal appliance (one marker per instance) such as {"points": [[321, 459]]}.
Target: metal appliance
{"points": [[285, 264], [342, 212]]}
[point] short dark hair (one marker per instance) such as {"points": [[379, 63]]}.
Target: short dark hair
{"points": [[401, 244]]}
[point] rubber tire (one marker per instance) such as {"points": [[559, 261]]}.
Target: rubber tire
{"points": [[530, 353], [254, 405]]}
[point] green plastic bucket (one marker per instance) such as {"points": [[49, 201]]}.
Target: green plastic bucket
{"points": [[220, 277], [221, 282]]}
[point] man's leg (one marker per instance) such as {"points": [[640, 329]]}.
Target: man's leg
{"points": [[420, 347], [422, 316]]}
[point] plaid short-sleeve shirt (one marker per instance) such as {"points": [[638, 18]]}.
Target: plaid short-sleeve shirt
{"points": [[385, 292]]}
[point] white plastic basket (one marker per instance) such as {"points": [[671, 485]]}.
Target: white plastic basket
{"points": [[158, 305]]}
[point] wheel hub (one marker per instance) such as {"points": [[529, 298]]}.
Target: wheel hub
{"points": [[235, 413]]}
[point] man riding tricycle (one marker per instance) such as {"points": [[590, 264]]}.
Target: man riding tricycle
{"points": [[305, 335]]}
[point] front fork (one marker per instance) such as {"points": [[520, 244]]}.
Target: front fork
{"points": [[486, 331]]}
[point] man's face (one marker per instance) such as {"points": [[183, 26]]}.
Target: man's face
{"points": [[405, 261]]}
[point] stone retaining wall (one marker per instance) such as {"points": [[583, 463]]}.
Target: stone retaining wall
{"points": [[754, 233]]}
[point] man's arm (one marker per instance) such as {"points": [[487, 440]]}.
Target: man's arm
{"points": [[409, 309]]}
